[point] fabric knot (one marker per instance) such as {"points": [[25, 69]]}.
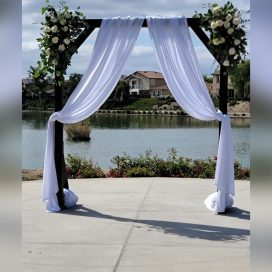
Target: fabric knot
{"points": [[54, 117], [220, 116]]}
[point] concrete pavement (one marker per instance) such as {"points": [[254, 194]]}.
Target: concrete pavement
{"points": [[136, 225]]}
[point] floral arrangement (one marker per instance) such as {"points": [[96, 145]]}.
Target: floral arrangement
{"points": [[59, 31], [227, 33]]}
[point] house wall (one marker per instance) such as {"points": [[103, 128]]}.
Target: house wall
{"points": [[144, 81]]}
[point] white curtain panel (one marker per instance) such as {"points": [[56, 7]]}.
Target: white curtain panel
{"points": [[177, 58], [115, 41]]}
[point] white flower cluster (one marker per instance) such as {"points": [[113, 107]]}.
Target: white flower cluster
{"points": [[229, 22], [55, 29]]}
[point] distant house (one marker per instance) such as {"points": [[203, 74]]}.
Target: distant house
{"points": [[232, 93], [147, 83]]}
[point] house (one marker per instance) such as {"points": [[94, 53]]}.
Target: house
{"points": [[232, 93], [147, 83]]}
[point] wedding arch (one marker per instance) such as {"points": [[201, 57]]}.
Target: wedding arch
{"points": [[177, 59]]}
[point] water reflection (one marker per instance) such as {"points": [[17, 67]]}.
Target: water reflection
{"points": [[38, 120]]}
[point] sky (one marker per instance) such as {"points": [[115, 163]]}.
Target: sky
{"points": [[142, 57]]}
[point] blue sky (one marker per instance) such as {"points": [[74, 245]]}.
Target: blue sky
{"points": [[142, 57]]}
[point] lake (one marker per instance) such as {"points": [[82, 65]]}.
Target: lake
{"points": [[113, 135]]}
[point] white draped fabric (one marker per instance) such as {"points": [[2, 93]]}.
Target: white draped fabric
{"points": [[177, 58], [176, 55], [114, 43]]}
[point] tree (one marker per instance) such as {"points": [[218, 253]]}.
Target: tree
{"points": [[74, 80], [121, 91], [240, 79], [39, 83], [208, 79]]}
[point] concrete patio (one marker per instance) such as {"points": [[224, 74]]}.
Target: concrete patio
{"points": [[129, 225]]}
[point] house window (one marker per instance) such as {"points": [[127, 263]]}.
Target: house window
{"points": [[152, 81], [157, 93], [133, 84], [217, 79]]}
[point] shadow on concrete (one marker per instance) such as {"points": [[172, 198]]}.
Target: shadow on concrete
{"points": [[198, 231], [238, 213]]}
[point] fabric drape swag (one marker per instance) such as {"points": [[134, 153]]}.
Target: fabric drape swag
{"points": [[115, 41], [176, 56]]}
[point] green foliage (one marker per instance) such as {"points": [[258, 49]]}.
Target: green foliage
{"points": [[77, 167], [232, 103], [74, 80], [148, 165], [60, 29], [240, 79], [139, 172], [208, 79], [121, 91], [227, 33]]}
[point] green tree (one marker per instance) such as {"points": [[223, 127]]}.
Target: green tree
{"points": [[240, 79], [208, 79], [73, 81], [39, 83], [121, 91]]}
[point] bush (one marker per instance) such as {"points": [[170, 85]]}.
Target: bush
{"points": [[139, 172], [232, 103], [77, 167], [78, 132], [148, 165]]}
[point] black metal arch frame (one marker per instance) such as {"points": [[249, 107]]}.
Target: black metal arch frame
{"points": [[194, 23]]}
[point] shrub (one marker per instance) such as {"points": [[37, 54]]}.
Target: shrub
{"points": [[232, 103], [139, 172], [78, 132], [77, 167], [148, 165]]}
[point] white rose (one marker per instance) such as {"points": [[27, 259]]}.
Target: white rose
{"points": [[216, 41], [55, 40], [67, 15], [65, 28], [230, 30], [41, 80], [55, 62], [47, 29], [236, 21], [222, 40], [213, 25], [228, 17], [47, 51], [54, 19], [219, 23], [66, 41], [226, 24], [54, 29], [62, 22], [232, 51], [226, 63], [58, 73], [216, 9], [61, 47], [237, 42]]}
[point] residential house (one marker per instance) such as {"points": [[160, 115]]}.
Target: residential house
{"points": [[147, 83], [232, 93]]}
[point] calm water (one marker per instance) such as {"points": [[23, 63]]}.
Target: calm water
{"points": [[113, 135]]}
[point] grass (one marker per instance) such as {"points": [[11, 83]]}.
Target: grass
{"points": [[78, 132]]}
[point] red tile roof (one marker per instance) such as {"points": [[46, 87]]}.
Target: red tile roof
{"points": [[151, 74]]}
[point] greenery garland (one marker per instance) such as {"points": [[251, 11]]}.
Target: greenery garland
{"points": [[227, 33], [59, 31]]}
